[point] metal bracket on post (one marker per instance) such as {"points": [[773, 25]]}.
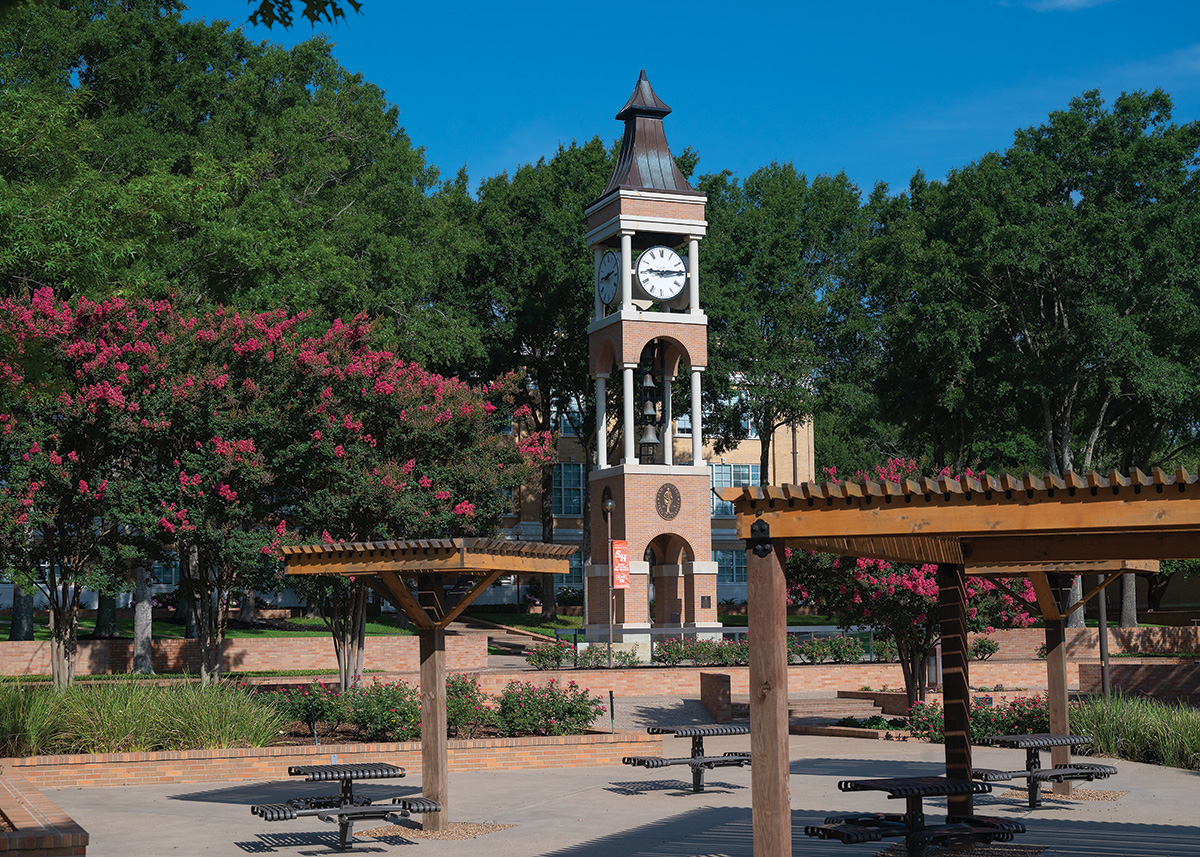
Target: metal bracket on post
{"points": [[760, 538]]}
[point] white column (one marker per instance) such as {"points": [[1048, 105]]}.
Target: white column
{"points": [[697, 434], [668, 438], [694, 276], [628, 427], [626, 271], [598, 305], [601, 425]]}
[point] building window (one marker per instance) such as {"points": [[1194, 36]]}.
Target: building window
{"points": [[574, 578], [683, 425], [731, 566], [569, 486], [731, 476], [165, 573], [749, 429], [568, 420]]}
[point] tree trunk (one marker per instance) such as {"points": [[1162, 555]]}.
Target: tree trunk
{"points": [[347, 621], [184, 612], [106, 616], [22, 614], [549, 600], [248, 607], [143, 621], [1076, 619], [1129, 617]]}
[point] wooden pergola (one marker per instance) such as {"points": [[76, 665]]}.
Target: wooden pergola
{"points": [[395, 569], [1008, 525]]}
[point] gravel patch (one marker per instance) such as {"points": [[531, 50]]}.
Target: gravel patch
{"points": [[454, 830]]}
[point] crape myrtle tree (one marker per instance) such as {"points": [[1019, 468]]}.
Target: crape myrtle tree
{"points": [[901, 600], [383, 449], [73, 437]]}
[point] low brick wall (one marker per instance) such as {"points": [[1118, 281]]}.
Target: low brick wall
{"points": [[1167, 680], [1084, 643], [40, 827], [271, 763], [99, 657]]}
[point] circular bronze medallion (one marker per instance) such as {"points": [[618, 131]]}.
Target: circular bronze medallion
{"points": [[667, 502]]}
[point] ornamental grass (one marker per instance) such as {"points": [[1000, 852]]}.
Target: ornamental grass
{"points": [[1124, 727], [129, 717]]}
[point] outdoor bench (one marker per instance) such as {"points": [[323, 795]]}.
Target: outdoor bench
{"points": [[343, 809], [911, 825], [1034, 772], [698, 762]]}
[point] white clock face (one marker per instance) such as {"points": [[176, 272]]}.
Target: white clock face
{"points": [[608, 276], [661, 273]]}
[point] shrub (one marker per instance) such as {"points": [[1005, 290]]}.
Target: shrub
{"points": [[814, 650], [385, 711], [467, 708], [927, 720], [886, 651], [982, 648], [1040, 653], [627, 658], [550, 710], [549, 655], [569, 596], [846, 649], [1022, 715], [673, 651], [593, 657], [311, 704], [27, 721]]}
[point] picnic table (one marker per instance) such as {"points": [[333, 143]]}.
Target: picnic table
{"points": [[911, 825], [345, 808], [1034, 773], [698, 761]]}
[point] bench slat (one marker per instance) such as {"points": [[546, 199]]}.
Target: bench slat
{"points": [[727, 760]]}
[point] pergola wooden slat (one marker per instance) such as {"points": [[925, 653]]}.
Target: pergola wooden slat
{"points": [[1036, 527], [431, 563]]}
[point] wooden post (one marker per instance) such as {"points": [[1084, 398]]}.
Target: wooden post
{"points": [[1056, 683], [956, 689], [766, 594], [435, 758]]}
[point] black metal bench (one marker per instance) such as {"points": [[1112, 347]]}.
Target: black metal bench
{"points": [[698, 762], [911, 825], [1034, 772], [343, 809]]}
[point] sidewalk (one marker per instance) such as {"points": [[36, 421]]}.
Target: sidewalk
{"points": [[598, 812]]}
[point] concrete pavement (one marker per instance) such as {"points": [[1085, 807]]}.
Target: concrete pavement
{"points": [[598, 812]]}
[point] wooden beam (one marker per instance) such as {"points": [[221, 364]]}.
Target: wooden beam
{"points": [[1143, 507], [992, 549], [956, 685], [1056, 693], [1047, 603], [766, 595], [1090, 594], [435, 755], [396, 591], [475, 591]]}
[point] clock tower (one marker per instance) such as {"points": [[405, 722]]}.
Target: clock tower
{"points": [[648, 332]]}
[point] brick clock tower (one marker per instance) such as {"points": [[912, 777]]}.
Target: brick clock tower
{"points": [[652, 490]]}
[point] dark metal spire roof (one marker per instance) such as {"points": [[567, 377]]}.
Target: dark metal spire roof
{"points": [[645, 162]]}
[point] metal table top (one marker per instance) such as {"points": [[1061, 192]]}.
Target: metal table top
{"points": [[916, 786], [1033, 741]]}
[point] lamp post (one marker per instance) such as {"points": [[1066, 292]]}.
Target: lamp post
{"points": [[607, 504]]}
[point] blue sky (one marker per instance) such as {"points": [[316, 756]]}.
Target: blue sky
{"points": [[875, 89]]}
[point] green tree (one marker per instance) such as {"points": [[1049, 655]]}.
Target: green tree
{"points": [[532, 282], [779, 247]]}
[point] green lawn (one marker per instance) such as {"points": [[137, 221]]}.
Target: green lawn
{"points": [[532, 622], [168, 630]]}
